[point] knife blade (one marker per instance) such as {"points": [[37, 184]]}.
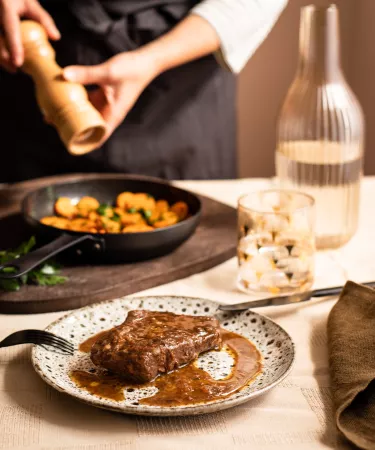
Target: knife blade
{"points": [[287, 299]]}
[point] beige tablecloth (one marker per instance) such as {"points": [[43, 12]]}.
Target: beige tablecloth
{"points": [[295, 415]]}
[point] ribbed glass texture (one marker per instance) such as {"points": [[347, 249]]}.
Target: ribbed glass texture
{"points": [[321, 131]]}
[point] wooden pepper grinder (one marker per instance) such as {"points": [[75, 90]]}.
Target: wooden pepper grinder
{"points": [[64, 104]]}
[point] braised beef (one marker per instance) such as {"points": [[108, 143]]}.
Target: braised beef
{"points": [[151, 343]]}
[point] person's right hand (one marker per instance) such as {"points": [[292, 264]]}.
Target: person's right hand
{"points": [[11, 12]]}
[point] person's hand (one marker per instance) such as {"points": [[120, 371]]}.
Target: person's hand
{"points": [[11, 12], [121, 81]]}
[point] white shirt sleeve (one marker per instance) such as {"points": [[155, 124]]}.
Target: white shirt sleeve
{"points": [[242, 25]]}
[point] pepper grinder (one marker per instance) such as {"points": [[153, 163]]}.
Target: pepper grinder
{"points": [[64, 104]]}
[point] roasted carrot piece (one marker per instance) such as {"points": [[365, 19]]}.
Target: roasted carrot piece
{"points": [[162, 206], [181, 209]]}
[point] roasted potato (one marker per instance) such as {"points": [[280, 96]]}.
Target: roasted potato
{"points": [[138, 228], [125, 200], [65, 208], [143, 201], [93, 216], [155, 216], [161, 206], [131, 219], [83, 225], [167, 219], [105, 210], [128, 201], [57, 222], [86, 205], [135, 212], [110, 226]]}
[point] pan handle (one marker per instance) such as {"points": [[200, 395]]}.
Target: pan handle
{"points": [[28, 262]]}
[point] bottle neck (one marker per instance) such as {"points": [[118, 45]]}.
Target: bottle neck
{"points": [[319, 47]]}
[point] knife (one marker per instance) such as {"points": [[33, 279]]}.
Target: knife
{"points": [[288, 299]]}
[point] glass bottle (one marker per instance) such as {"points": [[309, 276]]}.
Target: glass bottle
{"points": [[321, 131]]}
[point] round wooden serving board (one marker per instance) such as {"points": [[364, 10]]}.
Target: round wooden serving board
{"points": [[213, 243]]}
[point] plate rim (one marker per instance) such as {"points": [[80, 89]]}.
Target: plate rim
{"points": [[188, 410]]}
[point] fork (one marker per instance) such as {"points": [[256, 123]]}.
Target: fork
{"points": [[38, 337]]}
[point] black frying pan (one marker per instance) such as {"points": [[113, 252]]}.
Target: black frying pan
{"points": [[103, 248]]}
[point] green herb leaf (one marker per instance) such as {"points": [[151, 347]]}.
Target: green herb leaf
{"points": [[10, 285], [7, 257], [102, 210], [25, 247], [41, 279], [132, 210], [146, 213], [9, 269], [44, 275], [116, 217], [48, 269], [54, 264]]}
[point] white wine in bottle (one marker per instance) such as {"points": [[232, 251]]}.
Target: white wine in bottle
{"points": [[321, 131]]}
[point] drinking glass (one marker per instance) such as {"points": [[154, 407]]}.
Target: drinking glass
{"points": [[276, 243]]}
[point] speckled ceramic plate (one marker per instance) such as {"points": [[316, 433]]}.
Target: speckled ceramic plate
{"points": [[274, 344]]}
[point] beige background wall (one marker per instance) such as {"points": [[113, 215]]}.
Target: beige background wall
{"points": [[362, 70], [266, 78]]}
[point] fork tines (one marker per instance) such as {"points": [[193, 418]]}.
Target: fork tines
{"points": [[47, 338]]}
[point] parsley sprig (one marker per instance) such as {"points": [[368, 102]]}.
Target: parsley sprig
{"points": [[46, 274]]}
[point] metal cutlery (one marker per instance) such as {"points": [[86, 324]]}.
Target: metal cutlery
{"points": [[38, 337], [287, 299]]}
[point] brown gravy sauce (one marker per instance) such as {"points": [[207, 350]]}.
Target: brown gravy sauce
{"points": [[86, 345], [184, 386]]}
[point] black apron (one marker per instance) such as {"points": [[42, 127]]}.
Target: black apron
{"points": [[182, 127]]}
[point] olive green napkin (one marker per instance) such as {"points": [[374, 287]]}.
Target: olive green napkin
{"points": [[351, 338]]}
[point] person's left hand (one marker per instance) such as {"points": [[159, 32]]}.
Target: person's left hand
{"points": [[121, 81]]}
